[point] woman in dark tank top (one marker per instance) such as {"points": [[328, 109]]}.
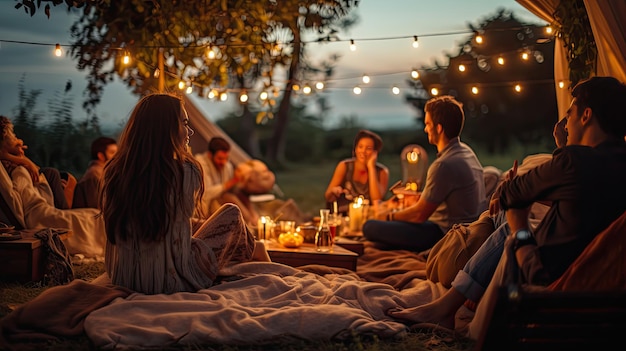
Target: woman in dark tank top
{"points": [[360, 175]]}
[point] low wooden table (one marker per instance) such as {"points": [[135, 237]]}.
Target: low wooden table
{"points": [[307, 254]]}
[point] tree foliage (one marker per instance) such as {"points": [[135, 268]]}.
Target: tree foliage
{"points": [[497, 116], [249, 39]]}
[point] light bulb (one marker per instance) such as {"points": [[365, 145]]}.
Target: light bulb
{"points": [[518, 88], [264, 95], [223, 96], [189, 89], [366, 79], [395, 90], [352, 45], [474, 90], [561, 84], [212, 93], [416, 43], [307, 90], [319, 85], [501, 60], [478, 38], [181, 85], [461, 68], [126, 58], [57, 50], [243, 97], [356, 90], [434, 91], [415, 74]]}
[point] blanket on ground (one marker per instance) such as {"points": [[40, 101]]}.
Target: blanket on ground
{"points": [[255, 302]]}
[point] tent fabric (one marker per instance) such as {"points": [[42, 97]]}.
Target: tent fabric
{"points": [[204, 130], [609, 31]]}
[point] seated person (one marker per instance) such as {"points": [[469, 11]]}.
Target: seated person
{"points": [[595, 126], [12, 155], [454, 191], [33, 207], [360, 175], [151, 245], [221, 184], [88, 187]]}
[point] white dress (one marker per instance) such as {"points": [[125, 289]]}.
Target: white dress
{"points": [[182, 261]]}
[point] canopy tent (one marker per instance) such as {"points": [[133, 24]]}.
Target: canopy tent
{"points": [[609, 31], [204, 130]]}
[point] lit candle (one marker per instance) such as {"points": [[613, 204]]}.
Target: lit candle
{"points": [[335, 207]]}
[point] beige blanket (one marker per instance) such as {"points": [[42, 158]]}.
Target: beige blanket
{"points": [[267, 302]]}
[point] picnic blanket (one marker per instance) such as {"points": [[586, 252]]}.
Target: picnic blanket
{"points": [[255, 302]]}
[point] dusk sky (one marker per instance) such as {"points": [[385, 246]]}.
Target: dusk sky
{"points": [[388, 61]]}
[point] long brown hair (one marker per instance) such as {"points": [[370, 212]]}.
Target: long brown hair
{"points": [[147, 171]]}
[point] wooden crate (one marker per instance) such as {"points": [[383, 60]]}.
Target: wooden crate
{"points": [[307, 254], [22, 260]]}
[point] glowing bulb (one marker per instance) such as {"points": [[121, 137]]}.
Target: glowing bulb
{"points": [[212, 93], [462, 68], [366, 79], [307, 90], [264, 95], [57, 50], [181, 85], [561, 84], [157, 73], [223, 96], [210, 53], [395, 90], [474, 90], [415, 74], [518, 88], [243, 97], [319, 85], [434, 91], [357, 90], [126, 58], [525, 56], [416, 43], [352, 45], [479, 39], [501, 60], [295, 87], [549, 30], [189, 90]]}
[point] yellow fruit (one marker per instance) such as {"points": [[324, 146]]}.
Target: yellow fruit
{"points": [[290, 240]]}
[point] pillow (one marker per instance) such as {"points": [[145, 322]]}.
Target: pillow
{"points": [[255, 177]]}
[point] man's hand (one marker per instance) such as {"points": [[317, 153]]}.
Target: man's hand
{"points": [[494, 203], [560, 133]]}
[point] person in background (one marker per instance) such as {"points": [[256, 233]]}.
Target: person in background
{"points": [[12, 154], [150, 191], [583, 182], [88, 187], [454, 191], [360, 175], [221, 185]]}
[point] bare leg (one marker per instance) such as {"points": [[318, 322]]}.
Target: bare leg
{"points": [[441, 311], [260, 253]]}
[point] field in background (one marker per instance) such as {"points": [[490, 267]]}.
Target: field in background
{"points": [[306, 183]]}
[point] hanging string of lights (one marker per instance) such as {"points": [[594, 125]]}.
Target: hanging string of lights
{"points": [[366, 80]]}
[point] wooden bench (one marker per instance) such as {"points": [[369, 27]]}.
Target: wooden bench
{"points": [[555, 320]]}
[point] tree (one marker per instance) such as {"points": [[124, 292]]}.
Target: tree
{"points": [[497, 114], [173, 39]]}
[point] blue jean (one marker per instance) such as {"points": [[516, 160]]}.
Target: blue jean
{"points": [[402, 235], [479, 269]]}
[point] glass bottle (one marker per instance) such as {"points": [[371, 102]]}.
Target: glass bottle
{"points": [[323, 238]]}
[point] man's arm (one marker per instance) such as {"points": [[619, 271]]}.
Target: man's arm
{"points": [[417, 213]]}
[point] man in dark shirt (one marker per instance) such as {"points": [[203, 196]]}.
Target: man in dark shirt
{"points": [[584, 184]]}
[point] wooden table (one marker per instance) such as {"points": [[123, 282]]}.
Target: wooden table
{"points": [[307, 254]]}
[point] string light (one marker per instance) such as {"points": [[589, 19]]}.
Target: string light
{"points": [[243, 97], [352, 45], [525, 56], [500, 60], [307, 90], [561, 84], [264, 95], [210, 53], [126, 58], [212, 94], [416, 43], [223, 96], [478, 38], [366, 79], [181, 85], [395, 90], [415, 74], [57, 50], [461, 68], [357, 90], [434, 91], [474, 90], [319, 85], [189, 89], [549, 30], [518, 88]]}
